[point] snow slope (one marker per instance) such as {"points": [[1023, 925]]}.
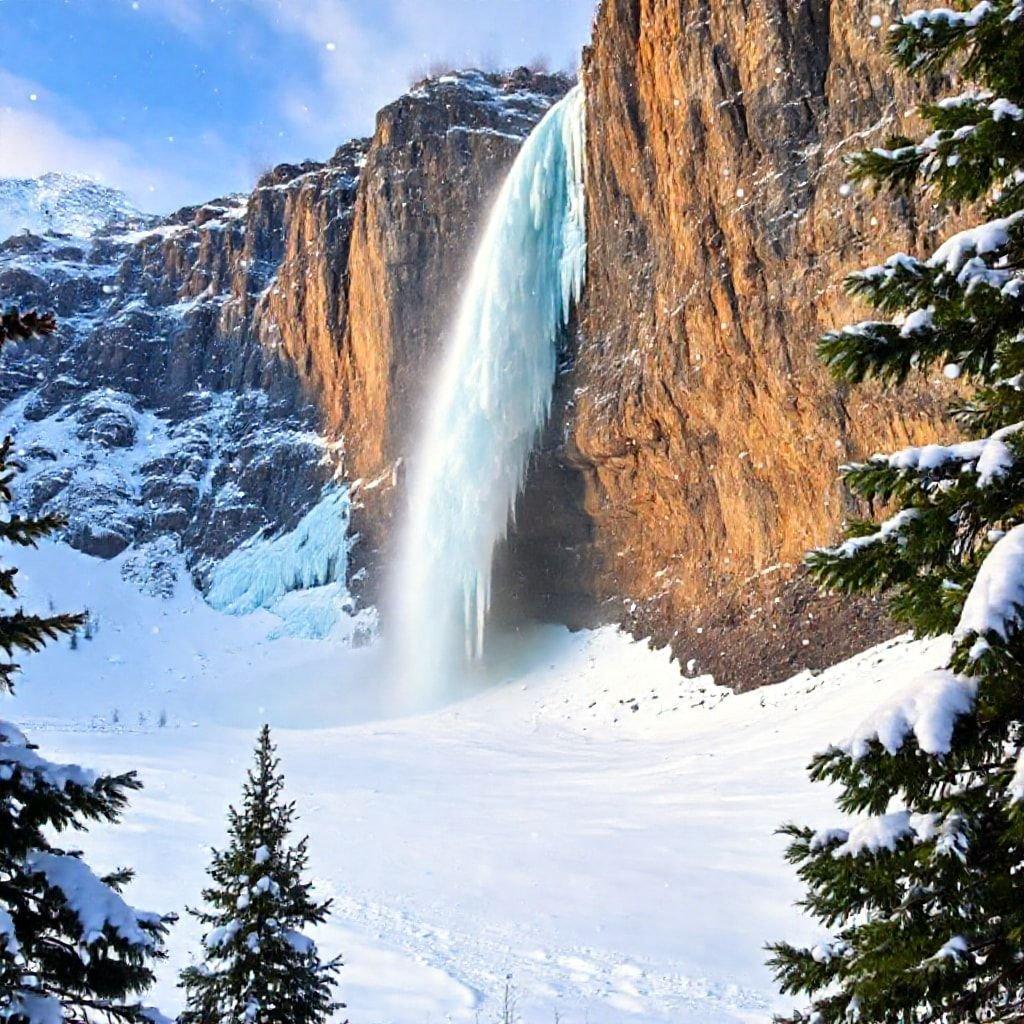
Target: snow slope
{"points": [[60, 203], [591, 823]]}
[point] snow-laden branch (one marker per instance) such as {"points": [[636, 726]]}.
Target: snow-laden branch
{"points": [[995, 603], [990, 457], [93, 902], [954, 255], [944, 17], [1016, 788], [883, 833], [971, 257], [8, 937], [16, 754], [927, 709], [871, 835], [33, 1007], [892, 529]]}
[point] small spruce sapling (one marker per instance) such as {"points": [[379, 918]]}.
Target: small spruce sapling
{"points": [[258, 965]]}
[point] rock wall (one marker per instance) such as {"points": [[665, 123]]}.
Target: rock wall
{"points": [[698, 431], [216, 369]]}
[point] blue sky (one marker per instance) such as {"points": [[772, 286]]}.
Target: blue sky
{"points": [[177, 101]]}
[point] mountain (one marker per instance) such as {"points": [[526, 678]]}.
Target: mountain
{"points": [[61, 204], [241, 373], [257, 356]]}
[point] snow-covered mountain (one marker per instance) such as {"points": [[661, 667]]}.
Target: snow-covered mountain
{"points": [[204, 396], [64, 204], [152, 420]]}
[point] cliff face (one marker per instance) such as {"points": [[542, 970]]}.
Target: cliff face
{"points": [[229, 362], [217, 369], [438, 156], [698, 433]]}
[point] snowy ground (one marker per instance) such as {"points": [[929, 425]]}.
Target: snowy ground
{"points": [[591, 824]]}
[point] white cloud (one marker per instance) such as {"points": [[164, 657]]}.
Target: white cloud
{"points": [[36, 137], [380, 47], [353, 80]]}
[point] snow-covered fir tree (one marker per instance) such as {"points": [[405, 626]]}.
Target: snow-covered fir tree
{"points": [[71, 948], [924, 893], [259, 967]]}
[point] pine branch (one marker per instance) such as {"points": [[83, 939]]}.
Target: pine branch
{"points": [[28, 532], [31, 632]]}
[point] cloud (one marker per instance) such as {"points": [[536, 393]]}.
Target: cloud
{"points": [[36, 137], [356, 71], [366, 52]]}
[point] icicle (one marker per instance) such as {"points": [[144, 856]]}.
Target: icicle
{"points": [[493, 394], [481, 614]]}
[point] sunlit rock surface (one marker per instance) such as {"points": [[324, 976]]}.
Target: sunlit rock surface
{"points": [[699, 438]]}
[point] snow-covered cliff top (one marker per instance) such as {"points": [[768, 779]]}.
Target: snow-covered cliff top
{"points": [[60, 203]]}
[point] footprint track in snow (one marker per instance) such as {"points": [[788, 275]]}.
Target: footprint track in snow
{"points": [[593, 982]]}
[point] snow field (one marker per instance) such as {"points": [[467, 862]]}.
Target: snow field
{"points": [[620, 864]]}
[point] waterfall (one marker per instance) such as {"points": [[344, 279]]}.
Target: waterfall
{"points": [[492, 396]]}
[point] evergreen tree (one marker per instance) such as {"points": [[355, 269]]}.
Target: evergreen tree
{"points": [[924, 894], [71, 949], [260, 968]]}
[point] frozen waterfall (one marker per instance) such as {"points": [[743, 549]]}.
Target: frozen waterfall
{"points": [[492, 396]]}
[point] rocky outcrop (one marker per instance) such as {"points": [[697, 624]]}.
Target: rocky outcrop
{"points": [[699, 434]]}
